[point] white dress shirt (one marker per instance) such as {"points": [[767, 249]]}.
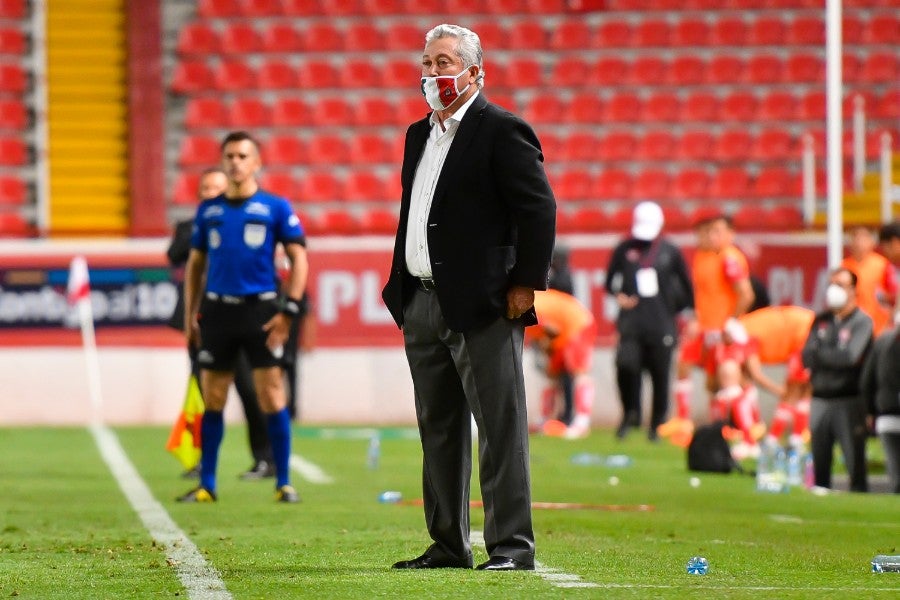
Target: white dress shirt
{"points": [[428, 170]]}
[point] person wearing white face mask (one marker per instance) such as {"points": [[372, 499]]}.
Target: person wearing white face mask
{"points": [[839, 339], [474, 242]]}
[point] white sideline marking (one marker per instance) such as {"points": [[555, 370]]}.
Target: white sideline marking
{"points": [[200, 579], [554, 577], [311, 472]]}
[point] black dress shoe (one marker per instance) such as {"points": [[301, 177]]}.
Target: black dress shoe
{"points": [[503, 563], [430, 562]]}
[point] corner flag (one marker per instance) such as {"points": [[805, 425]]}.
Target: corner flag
{"points": [[184, 440]]}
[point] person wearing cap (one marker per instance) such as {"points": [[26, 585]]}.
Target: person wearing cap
{"points": [[722, 290], [648, 278]]}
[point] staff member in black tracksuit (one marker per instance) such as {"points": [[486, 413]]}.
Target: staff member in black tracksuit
{"points": [[881, 390], [649, 279], [838, 341]]}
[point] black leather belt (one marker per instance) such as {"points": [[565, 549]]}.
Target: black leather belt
{"points": [[426, 284], [228, 299]]}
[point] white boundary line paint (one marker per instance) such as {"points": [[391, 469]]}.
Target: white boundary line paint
{"points": [[200, 579], [554, 577], [309, 471]]}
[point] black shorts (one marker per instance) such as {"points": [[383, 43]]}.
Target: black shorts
{"points": [[226, 328]]}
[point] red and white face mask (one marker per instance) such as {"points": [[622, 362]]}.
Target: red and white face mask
{"points": [[442, 91]]}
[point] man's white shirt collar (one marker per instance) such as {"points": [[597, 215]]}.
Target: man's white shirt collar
{"points": [[458, 115]]}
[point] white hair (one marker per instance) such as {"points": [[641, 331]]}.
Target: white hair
{"points": [[468, 46]]}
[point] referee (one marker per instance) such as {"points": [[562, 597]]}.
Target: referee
{"points": [[233, 242]]}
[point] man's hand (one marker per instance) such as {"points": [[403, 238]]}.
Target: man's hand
{"points": [[518, 300], [278, 328], [626, 302], [192, 332]]}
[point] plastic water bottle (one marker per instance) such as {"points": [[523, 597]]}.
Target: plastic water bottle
{"points": [[809, 473], [697, 565], [771, 469], [781, 470], [886, 563], [794, 468], [390, 497], [586, 459], [764, 468], [618, 460], [374, 453]]}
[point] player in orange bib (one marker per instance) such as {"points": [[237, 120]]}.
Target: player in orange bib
{"points": [[876, 287], [565, 335], [722, 291]]}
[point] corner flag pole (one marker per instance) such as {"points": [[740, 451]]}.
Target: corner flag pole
{"points": [[78, 294]]}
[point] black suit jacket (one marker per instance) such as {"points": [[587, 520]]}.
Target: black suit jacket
{"points": [[492, 221]]}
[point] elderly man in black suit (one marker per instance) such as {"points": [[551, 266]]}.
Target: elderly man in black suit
{"points": [[475, 238]]}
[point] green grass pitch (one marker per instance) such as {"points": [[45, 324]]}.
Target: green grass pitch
{"points": [[67, 530]]}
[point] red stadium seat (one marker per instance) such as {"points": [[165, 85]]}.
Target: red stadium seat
{"points": [[319, 74], [322, 37], [696, 145], [728, 31], [618, 145], [375, 111], [881, 67], [219, 8], [339, 222], [585, 107], [544, 109], [785, 218], [13, 78], [651, 33], [234, 75], [573, 184], [778, 106], [13, 152], [13, 41], [497, 73], [340, 8], [570, 35], [262, 8], [545, 7], [13, 224], [772, 182], [320, 186], [284, 150], [504, 7], [812, 106], [363, 37], [277, 74], [364, 186], [767, 31], [569, 71], [404, 37], [198, 151], [409, 110], [423, 7], [851, 29], [359, 74], [552, 146], [609, 71], [656, 145], [14, 114], [590, 220], [750, 217], [888, 106], [623, 107], [327, 149], [850, 68], [291, 112], [807, 31], [281, 183], [333, 111], [691, 184], [186, 186], [648, 70], [661, 107], [282, 38], [13, 191], [492, 34], [764, 69], [612, 184], [527, 35], [739, 106], [581, 146], [733, 145], [690, 32], [400, 74], [700, 106], [805, 68], [369, 149], [884, 29], [687, 70], [250, 112], [205, 112], [13, 9], [775, 145], [612, 34], [383, 7], [729, 183], [240, 38], [197, 38], [192, 76], [651, 184], [379, 221], [726, 69]]}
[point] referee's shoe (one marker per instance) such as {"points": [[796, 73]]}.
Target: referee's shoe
{"points": [[198, 494], [287, 493]]}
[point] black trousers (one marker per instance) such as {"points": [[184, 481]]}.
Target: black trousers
{"points": [[634, 355]]}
